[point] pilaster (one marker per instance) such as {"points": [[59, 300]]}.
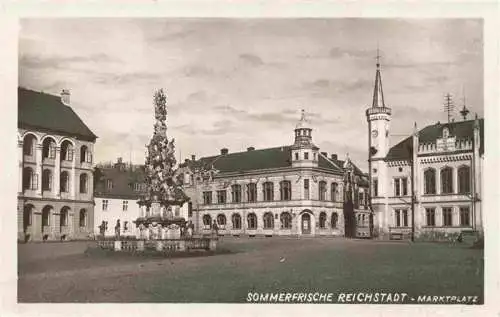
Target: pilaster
{"points": [[39, 168], [56, 177]]}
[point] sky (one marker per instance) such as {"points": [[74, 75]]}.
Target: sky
{"points": [[236, 83]]}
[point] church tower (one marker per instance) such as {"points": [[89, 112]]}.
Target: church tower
{"points": [[378, 117], [304, 152]]}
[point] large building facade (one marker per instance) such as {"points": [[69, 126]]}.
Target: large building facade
{"points": [[286, 190], [431, 181], [55, 193]]}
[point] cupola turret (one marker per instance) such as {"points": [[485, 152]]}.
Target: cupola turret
{"points": [[304, 152]]}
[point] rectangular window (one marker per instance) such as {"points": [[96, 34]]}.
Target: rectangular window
{"points": [[125, 205], [285, 190], [397, 187], [252, 192], [430, 217], [333, 191], [322, 190], [109, 184], [236, 193], [401, 216], [296, 156], [306, 155], [52, 152], [268, 191], [464, 217], [105, 204], [306, 189], [375, 187], [221, 197], [401, 186], [404, 186], [447, 217], [361, 198], [207, 198]]}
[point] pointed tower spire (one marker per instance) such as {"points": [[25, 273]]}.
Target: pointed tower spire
{"points": [[378, 94]]}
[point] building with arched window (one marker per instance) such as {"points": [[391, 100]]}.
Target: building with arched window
{"points": [[285, 190], [49, 198], [431, 181]]}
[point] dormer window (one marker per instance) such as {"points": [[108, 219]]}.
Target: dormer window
{"points": [[446, 133]]}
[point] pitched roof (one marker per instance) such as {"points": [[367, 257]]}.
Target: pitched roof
{"points": [[39, 110], [123, 180], [255, 160], [461, 129]]}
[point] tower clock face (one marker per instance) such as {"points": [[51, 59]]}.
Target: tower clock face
{"points": [[374, 133]]}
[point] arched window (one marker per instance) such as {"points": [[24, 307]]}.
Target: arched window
{"points": [[83, 218], [85, 155], [286, 220], [268, 220], [64, 182], [221, 220], [447, 180], [66, 151], [335, 220], [322, 220], [49, 148], [207, 220], [464, 180], [63, 217], [334, 191], [268, 190], [29, 145], [29, 179], [322, 190], [236, 219], [47, 180], [252, 221], [430, 181], [285, 190], [83, 183], [46, 212]]}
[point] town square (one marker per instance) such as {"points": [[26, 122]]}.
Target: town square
{"points": [[215, 160]]}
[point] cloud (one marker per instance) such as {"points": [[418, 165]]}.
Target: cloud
{"points": [[252, 60], [326, 88], [63, 62], [338, 52]]}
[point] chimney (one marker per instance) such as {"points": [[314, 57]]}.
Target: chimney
{"points": [[65, 97], [224, 151], [250, 149], [334, 157], [193, 157], [324, 154]]}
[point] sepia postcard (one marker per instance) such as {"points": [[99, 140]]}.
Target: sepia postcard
{"points": [[278, 155]]}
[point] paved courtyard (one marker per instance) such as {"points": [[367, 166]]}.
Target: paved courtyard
{"points": [[63, 272]]}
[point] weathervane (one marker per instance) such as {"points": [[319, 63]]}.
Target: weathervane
{"points": [[464, 112]]}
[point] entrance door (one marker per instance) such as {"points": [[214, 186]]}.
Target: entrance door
{"points": [[306, 224]]}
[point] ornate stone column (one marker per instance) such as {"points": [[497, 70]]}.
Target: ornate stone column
{"points": [[56, 188], [39, 169]]}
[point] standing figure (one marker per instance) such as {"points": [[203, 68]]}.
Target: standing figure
{"points": [[117, 229], [215, 229], [190, 229], [102, 229]]}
